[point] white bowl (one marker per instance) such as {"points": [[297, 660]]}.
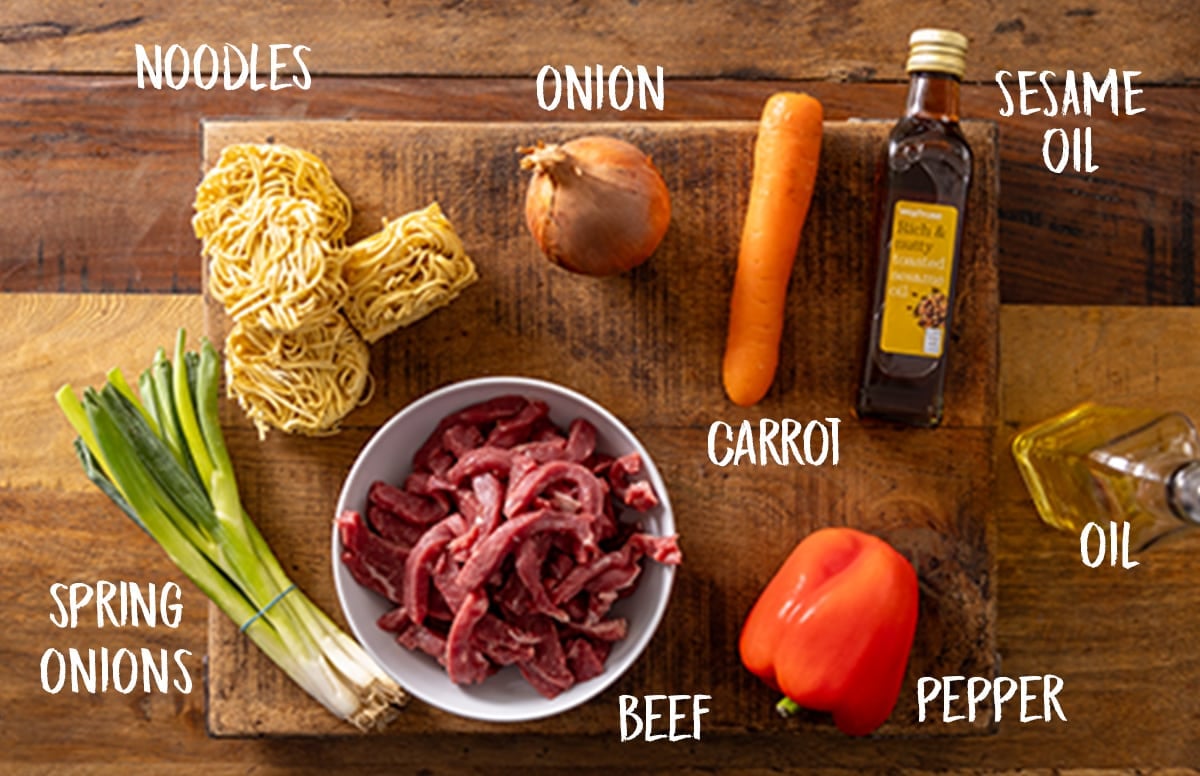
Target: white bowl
{"points": [[505, 696]]}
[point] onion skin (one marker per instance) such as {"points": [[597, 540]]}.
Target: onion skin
{"points": [[595, 205]]}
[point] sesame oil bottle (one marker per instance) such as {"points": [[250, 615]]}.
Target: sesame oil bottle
{"points": [[924, 177]]}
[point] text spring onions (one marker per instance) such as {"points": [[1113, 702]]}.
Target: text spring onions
{"points": [[161, 458]]}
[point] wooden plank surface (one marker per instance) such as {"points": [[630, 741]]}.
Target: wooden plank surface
{"points": [[107, 154], [1123, 641], [794, 40], [32, 453], [91, 171], [648, 345]]}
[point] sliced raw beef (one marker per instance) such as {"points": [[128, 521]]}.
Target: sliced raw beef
{"points": [[505, 546]]}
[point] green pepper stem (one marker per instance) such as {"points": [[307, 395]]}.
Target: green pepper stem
{"points": [[787, 707]]}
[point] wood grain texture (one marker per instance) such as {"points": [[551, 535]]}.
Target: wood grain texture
{"points": [[647, 345], [793, 40], [123, 164], [36, 453], [1114, 359], [1123, 641]]}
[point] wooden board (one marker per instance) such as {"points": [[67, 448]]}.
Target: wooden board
{"points": [[648, 346], [789, 40], [1051, 610]]}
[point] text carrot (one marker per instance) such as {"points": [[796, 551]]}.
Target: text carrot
{"points": [[786, 155]]}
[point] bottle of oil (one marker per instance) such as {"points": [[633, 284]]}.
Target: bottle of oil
{"points": [[924, 177], [1095, 464]]}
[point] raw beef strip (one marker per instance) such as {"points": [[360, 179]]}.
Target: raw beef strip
{"points": [[663, 549], [490, 494], [440, 462], [516, 429], [445, 581], [392, 528], [579, 577], [599, 463], [409, 507], [418, 568], [484, 499], [585, 659], [393, 620], [374, 562], [577, 608], [495, 460], [544, 450], [464, 663], [501, 642], [581, 441], [426, 484], [559, 565], [522, 465], [531, 556], [477, 414], [637, 495], [490, 411], [547, 671], [640, 496], [598, 605], [419, 638], [492, 551], [468, 505], [439, 609], [615, 580], [512, 598], [461, 438], [588, 490], [604, 630], [606, 522]]}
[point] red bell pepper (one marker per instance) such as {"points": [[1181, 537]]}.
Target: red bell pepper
{"points": [[833, 629]]}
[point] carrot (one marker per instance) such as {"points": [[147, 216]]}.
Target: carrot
{"points": [[785, 167]]}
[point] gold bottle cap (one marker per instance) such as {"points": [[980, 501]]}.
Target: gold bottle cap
{"points": [[938, 51]]}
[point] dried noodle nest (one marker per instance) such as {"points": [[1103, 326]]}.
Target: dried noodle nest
{"points": [[271, 221], [400, 274], [302, 382]]}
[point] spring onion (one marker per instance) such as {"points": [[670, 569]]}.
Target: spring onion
{"points": [[160, 455]]}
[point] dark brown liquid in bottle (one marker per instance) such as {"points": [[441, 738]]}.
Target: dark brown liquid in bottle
{"points": [[927, 160]]}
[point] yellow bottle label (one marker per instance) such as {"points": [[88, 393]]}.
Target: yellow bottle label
{"points": [[920, 264]]}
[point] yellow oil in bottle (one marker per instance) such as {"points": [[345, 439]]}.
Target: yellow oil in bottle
{"points": [[1096, 463]]}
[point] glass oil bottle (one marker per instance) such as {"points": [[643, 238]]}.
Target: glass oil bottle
{"points": [[923, 180], [1095, 464]]}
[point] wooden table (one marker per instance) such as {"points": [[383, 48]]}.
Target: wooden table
{"points": [[95, 181]]}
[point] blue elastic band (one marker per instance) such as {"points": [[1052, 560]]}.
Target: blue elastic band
{"points": [[263, 610]]}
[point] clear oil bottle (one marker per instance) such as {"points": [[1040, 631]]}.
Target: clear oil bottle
{"points": [[923, 182], [1095, 464]]}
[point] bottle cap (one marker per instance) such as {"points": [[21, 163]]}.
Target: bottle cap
{"points": [[938, 51], [1183, 491]]}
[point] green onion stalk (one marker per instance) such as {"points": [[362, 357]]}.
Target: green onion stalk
{"points": [[160, 455]]}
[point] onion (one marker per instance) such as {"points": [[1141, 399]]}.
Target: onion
{"points": [[596, 205]]}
